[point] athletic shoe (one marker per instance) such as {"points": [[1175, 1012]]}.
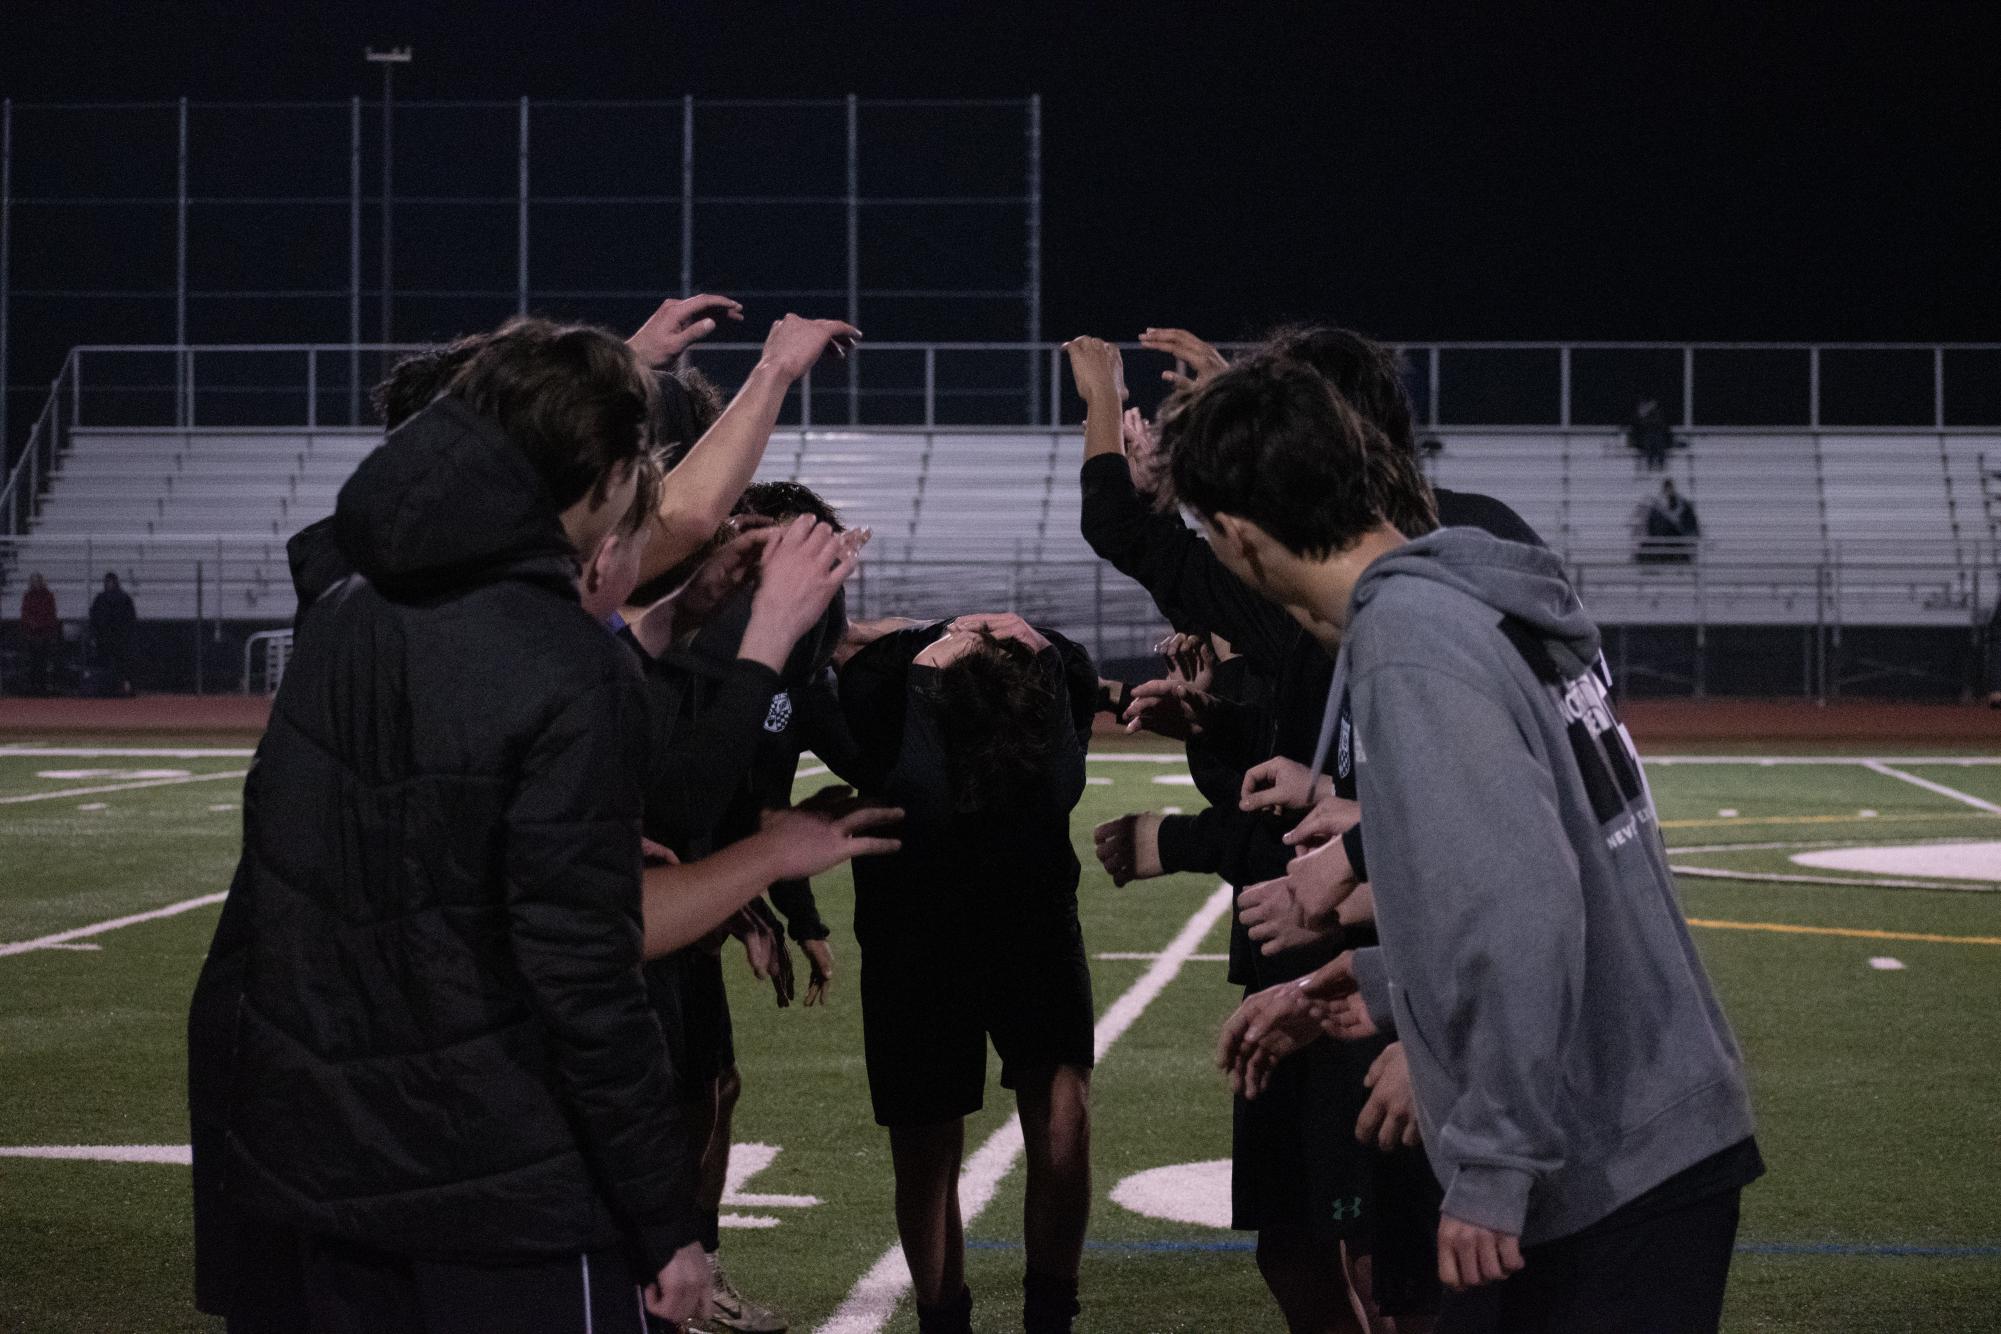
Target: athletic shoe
{"points": [[733, 1312]]}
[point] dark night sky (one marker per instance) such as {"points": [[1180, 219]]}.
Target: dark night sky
{"points": [[1731, 170]]}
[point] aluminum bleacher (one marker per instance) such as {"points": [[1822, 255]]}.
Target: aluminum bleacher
{"points": [[1798, 526]]}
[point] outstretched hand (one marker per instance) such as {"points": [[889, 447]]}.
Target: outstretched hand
{"points": [[679, 322], [795, 343], [1336, 995], [827, 829], [1282, 784], [1201, 359], [1389, 1118], [1129, 847], [1268, 1027], [1169, 708], [1099, 370]]}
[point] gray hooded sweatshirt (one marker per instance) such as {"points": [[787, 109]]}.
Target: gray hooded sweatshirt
{"points": [[1566, 1049]]}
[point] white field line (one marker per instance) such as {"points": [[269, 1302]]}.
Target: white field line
{"points": [[874, 1298], [1865, 761], [1139, 956], [1679, 851], [62, 938], [1978, 804], [123, 753], [1851, 882], [105, 1153], [120, 787], [813, 772]]}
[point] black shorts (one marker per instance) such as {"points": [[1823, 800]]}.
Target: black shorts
{"points": [[1659, 1273], [702, 1044], [934, 991], [1296, 1165]]}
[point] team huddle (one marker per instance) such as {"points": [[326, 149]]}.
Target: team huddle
{"points": [[460, 1057]]}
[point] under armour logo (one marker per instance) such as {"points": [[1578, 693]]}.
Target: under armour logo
{"points": [[1348, 1210]]}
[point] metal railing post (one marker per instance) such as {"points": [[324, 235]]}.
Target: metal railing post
{"points": [[854, 256], [1034, 292], [181, 251], [521, 223], [687, 195], [6, 260], [930, 386], [1688, 385], [1431, 385], [1938, 388], [1813, 387], [806, 400], [354, 262], [1563, 376], [312, 388], [1055, 387]]}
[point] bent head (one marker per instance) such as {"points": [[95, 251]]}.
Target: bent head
{"points": [[993, 698], [1278, 469]]}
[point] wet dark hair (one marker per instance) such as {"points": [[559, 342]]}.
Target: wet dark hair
{"points": [[787, 500], [993, 706], [415, 381], [1269, 440], [571, 397], [1369, 376]]}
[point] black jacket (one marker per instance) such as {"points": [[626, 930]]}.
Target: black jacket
{"points": [[421, 1024]]}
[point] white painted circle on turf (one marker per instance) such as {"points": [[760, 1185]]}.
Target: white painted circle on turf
{"points": [[1175, 780], [1197, 1193], [1095, 781], [223, 806], [1883, 963], [92, 806], [1727, 813], [1949, 861]]}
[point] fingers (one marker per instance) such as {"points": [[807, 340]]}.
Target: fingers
{"points": [[868, 817], [1448, 1256], [1510, 1247], [1487, 1254], [874, 847], [1370, 1123]]}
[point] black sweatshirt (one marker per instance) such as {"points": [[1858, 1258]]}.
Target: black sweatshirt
{"points": [[1010, 866]]}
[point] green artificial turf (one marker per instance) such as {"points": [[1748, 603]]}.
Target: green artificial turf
{"points": [[1878, 1092]]}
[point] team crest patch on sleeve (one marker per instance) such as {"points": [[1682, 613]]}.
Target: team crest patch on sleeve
{"points": [[779, 716]]}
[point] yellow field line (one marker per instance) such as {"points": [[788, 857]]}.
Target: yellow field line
{"points": [[1823, 819], [1859, 933]]}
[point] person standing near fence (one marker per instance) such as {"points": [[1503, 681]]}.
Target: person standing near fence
{"points": [[41, 634], [112, 617]]}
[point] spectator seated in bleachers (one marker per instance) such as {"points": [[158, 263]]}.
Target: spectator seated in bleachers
{"points": [[1672, 530]]}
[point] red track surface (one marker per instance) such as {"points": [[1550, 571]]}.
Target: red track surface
{"points": [[1654, 721]]}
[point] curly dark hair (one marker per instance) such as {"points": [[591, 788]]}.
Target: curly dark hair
{"points": [[993, 706]]}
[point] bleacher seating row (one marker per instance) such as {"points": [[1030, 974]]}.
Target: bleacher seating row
{"points": [[1912, 520]]}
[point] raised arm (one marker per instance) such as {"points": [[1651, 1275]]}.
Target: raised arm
{"points": [[703, 487]]}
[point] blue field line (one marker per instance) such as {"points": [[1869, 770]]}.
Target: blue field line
{"points": [[1829, 1248]]}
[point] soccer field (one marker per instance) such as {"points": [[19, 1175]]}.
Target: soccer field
{"points": [[1846, 906]]}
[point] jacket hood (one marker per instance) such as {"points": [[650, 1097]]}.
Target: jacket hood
{"points": [[1523, 582], [447, 502]]}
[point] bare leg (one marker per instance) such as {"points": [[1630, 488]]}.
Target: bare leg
{"points": [[1305, 1276], [716, 1152], [1056, 1126], [927, 1161]]}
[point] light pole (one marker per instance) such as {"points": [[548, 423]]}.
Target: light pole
{"points": [[388, 60]]}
